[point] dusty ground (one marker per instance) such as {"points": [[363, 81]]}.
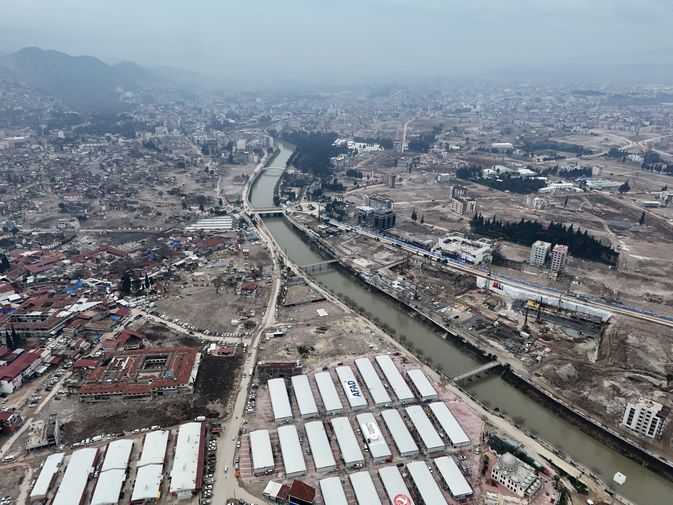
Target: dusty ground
{"points": [[316, 340], [11, 478], [193, 298]]}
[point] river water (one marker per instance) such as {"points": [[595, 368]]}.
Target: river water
{"points": [[642, 486]]}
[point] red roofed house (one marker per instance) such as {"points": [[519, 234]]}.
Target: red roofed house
{"points": [[10, 420], [127, 340], [85, 363], [301, 494], [249, 289], [12, 375]]}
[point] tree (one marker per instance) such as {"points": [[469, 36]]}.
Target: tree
{"points": [[161, 194], [4, 264], [641, 221], [16, 339], [565, 202], [414, 216], [125, 285], [665, 188], [219, 202], [624, 188], [201, 207], [422, 219], [8, 341], [580, 243], [147, 281], [217, 282]]}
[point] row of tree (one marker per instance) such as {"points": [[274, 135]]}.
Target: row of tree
{"points": [[130, 285], [505, 182], [13, 339], [313, 151], [580, 243], [571, 173], [530, 146], [653, 162]]}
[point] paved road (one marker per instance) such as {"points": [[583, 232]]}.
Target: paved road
{"points": [[15, 436], [226, 485], [404, 133]]}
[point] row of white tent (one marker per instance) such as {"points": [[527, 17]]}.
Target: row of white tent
{"points": [[350, 447], [301, 387], [395, 487], [185, 474]]}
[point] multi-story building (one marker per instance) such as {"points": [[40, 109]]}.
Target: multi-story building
{"points": [[645, 417], [390, 180], [515, 475], [538, 253], [559, 256], [463, 205], [379, 213], [442, 178], [68, 224], [458, 246], [458, 192], [535, 202]]}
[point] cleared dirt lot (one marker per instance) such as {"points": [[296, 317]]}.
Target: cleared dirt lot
{"points": [[194, 298], [315, 340], [217, 379]]}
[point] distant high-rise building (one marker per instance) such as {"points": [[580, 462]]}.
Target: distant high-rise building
{"points": [[538, 253], [559, 256], [645, 417]]}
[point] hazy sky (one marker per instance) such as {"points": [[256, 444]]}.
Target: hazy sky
{"points": [[339, 41]]}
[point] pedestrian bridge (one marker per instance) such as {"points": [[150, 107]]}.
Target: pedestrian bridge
{"points": [[267, 211], [475, 373], [317, 266]]}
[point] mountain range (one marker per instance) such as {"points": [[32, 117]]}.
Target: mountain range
{"points": [[83, 82]]}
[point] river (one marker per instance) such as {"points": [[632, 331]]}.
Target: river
{"points": [[642, 486]]}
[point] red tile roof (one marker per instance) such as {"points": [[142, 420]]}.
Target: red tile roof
{"points": [[125, 373], [16, 367], [6, 415], [302, 491], [85, 363]]}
